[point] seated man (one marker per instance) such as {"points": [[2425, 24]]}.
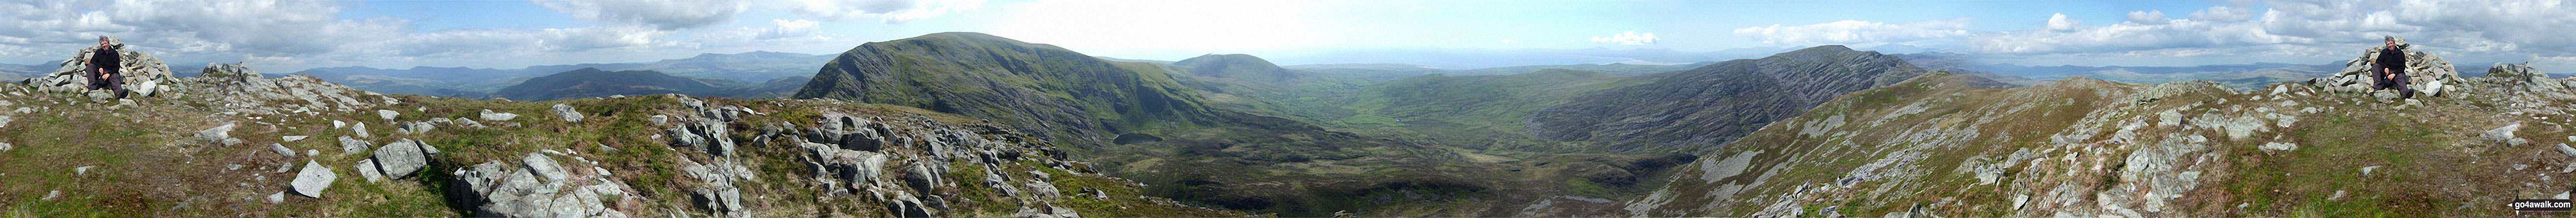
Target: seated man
{"points": [[103, 66], [2390, 69]]}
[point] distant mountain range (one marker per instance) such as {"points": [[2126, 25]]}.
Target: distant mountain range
{"points": [[742, 68], [593, 82]]}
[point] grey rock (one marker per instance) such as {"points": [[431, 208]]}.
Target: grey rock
{"points": [[336, 124], [281, 150], [544, 167], [2562, 149], [313, 179], [294, 138], [278, 197], [82, 170], [567, 112], [353, 146], [232, 141], [368, 168], [217, 134], [2503, 135], [387, 114], [490, 116], [2278, 146], [921, 178], [680, 136], [361, 129], [400, 158]]}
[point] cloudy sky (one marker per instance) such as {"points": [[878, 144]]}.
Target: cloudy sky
{"points": [[291, 35]]}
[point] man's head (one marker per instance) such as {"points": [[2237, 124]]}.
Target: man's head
{"points": [[2391, 41], [102, 41]]}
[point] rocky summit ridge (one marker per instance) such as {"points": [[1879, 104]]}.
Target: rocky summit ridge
{"points": [[233, 143], [1937, 146]]}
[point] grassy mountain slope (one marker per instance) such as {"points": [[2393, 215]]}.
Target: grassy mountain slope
{"points": [[1612, 68], [1473, 111], [1711, 105], [2081, 147], [68, 155], [1220, 142], [1067, 95]]}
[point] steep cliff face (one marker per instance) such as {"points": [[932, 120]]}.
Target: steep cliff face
{"points": [[1700, 108], [1937, 145], [1041, 87]]}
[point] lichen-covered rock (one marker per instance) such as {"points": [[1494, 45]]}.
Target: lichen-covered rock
{"points": [[313, 179], [400, 158], [567, 112]]}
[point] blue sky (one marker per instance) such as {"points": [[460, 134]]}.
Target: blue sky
{"points": [[290, 35]]}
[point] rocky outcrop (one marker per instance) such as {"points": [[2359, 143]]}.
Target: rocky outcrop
{"points": [[539, 187], [2090, 148], [292, 94]]}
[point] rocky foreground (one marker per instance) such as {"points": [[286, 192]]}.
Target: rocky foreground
{"points": [[231, 143], [1939, 146]]}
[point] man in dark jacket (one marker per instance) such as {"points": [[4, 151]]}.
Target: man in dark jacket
{"points": [[103, 66], [2390, 69]]}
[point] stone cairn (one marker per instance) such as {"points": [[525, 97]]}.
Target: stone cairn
{"points": [[2430, 75], [144, 75]]}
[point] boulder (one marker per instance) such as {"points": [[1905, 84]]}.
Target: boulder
{"points": [[567, 112], [681, 136], [281, 150], [353, 146], [294, 138], [2503, 135], [401, 158], [313, 179], [216, 135], [2278, 146], [368, 168], [488, 115], [921, 178], [2562, 149], [387, 114], [544, 167], [361, 129]]}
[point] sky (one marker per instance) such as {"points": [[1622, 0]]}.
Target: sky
{"points": [[292, 35]]}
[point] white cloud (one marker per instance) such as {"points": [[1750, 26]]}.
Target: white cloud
{"points": [[662, 14], [2059, 22], [1627, 38], [251, 27], [1510, 41], [2223, 14], [1859, 33], [2147, 17], [1166, 26], [888, 11]]}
